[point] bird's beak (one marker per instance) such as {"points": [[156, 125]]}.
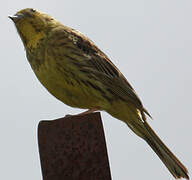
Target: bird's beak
{"points": [[16, 17]]}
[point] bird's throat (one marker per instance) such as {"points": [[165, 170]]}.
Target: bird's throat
{"points": [[30, 36]]}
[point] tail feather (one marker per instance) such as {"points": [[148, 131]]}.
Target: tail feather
{"points": [[176, 168]]}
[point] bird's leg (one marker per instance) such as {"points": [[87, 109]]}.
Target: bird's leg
{"points": [[88, 111], [84, 113]]}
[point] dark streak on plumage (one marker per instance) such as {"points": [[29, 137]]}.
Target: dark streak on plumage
{"points": [[77, 54], [67, 56], [88, 83], [115, 96], [85, 45], [62, 44]]}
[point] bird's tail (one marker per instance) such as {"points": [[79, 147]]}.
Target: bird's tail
{"points": [[176, 168]]}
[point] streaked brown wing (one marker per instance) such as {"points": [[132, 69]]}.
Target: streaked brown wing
{"points": [[96, 62]]}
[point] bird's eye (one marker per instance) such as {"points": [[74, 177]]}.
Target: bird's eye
{"points": [[32, 10]]}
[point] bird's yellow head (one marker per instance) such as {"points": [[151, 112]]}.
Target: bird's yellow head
{"points": [[32, 25]]}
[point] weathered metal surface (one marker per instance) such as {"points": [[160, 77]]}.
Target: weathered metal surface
{"points": [[73, 148]]}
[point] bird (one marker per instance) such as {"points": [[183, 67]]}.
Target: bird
{"points": [[74, 70]]}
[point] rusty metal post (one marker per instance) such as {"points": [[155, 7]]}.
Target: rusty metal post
{"points": [[73, 148]]}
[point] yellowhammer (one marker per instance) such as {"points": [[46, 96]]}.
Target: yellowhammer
{"points": [[78, 73]]}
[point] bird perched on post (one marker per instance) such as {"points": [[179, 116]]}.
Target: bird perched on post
{"points": [[74, 70]]}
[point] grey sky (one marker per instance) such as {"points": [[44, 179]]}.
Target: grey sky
{"points": [[149, 41]]}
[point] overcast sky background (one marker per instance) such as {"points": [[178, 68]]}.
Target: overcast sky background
{"points": [[149, 41]]}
